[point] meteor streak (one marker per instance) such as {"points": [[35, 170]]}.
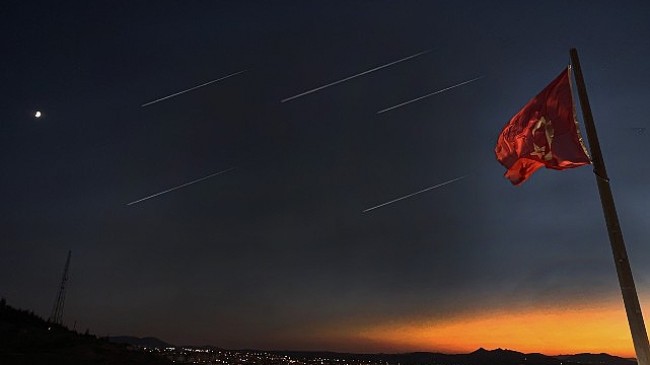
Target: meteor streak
{"points": [[416, 193], [427, 95], [192, 88], [353, 76], [180, 186]]}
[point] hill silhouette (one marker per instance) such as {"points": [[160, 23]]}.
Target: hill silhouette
{"points": [[28, 339], [478, 357], [148, 342], [601, 358]]}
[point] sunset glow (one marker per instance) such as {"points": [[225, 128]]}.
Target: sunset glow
{"points": [[601, 327], [333, 178]]}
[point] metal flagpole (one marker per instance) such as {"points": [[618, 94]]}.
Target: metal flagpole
{"points": [[625, 278]]}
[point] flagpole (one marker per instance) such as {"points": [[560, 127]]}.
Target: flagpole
{"points": [[625, 278]]}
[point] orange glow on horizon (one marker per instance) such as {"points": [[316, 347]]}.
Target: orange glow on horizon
{"points": [[601, 327]]}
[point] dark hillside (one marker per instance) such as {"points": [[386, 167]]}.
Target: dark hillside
{"points": [[28, 339]]}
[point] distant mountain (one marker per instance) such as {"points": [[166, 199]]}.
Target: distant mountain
{"points": [[602, 358], [478, 357], [149, 342], [28, 339], [506, 357]]}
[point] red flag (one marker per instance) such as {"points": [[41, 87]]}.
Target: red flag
{"points": [[543, 133]]}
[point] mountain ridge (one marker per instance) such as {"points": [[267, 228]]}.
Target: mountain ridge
{"points": [[26, 338], [150, 342]]}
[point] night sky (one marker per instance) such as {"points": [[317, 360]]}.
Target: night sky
{"points": [[277, 253]]}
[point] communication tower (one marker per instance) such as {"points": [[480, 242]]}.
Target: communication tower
{"points": [[57, 311]]}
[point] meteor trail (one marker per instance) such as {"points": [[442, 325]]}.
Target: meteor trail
{"points": [[192, 88], [416, 193], [353, 76], [180, 186], [427, 95]]}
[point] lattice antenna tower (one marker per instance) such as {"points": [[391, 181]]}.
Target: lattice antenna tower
{"points": [[57, 310]]}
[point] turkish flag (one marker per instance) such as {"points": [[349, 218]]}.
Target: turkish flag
{"points": [[543, 133]]}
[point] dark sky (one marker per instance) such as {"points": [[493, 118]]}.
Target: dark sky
{"points": [[277, 252]]}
